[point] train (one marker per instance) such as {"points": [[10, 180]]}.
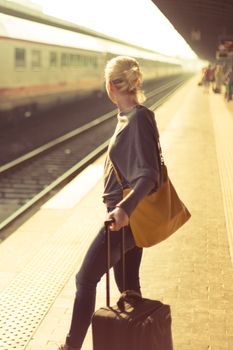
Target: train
{"points": [[43, 66]]}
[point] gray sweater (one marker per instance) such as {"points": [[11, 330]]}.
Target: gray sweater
{"points": [[135, 152]]}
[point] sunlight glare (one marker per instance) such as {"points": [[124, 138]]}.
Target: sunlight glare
{"points": [[129, 20]]}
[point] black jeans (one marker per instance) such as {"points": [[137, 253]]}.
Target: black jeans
{"points": [[92, 269]]}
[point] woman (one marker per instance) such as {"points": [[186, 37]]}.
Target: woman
{"points": [[134, 154]]}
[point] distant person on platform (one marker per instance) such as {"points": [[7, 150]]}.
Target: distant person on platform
{"points": [[229, 84], [207, 78], [218, 78]]}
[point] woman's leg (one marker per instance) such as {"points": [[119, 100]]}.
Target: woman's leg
{"points": [[92, 269]]}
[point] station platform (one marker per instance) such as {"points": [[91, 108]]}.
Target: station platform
{"points": [[192, 270]]}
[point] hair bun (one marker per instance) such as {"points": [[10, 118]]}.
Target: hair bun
{"points": [[124, 72]]}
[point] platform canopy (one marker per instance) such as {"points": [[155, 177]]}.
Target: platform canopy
{"points": [[204, 24]]}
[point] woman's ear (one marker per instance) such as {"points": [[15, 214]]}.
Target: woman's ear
{"points": [[110, 86], [107, 86]]}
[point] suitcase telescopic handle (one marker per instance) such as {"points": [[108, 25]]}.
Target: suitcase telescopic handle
{"points": [[107, 223]]}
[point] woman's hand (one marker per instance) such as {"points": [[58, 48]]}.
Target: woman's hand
{"points": [[121, 219]]}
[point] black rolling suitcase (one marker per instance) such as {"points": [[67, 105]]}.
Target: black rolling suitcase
{"points": [[135, 323]]}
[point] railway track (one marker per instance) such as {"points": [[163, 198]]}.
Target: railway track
{"points": [[29, 179]]}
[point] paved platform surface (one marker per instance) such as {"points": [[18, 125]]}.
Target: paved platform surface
{"points": [[192, 270]]}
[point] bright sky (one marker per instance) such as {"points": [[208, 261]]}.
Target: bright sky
{"points": [[129, 20]]}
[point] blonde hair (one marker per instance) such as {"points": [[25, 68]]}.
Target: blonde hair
{"points": [[124, 72]]}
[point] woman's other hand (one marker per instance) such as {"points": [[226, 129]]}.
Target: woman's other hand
{"points": [[121, 219]]}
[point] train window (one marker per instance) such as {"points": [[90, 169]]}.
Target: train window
{"points": [[20, 57], [89, 60], [81, 60], [94, 61], [36, 58], [86, 60], [64, 59], [77, 59], [73, 60], [109, 56], [53, 59]]}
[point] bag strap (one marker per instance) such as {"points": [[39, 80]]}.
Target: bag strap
{"points": [[108, 258], [160, 153]]}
